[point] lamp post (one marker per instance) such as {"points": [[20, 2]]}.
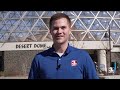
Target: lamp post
{"points": [[109, 44], [109, 47], [109, 50]]}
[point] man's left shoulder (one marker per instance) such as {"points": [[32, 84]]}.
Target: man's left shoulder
{"points": [[83, 51], [78, 51]]}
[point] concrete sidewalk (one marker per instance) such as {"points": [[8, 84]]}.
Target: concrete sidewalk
{"points": [[26, 77], [15, 77], [110, 77]]}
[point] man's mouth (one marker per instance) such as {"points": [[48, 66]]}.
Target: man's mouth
{"points": [[59, 36]]}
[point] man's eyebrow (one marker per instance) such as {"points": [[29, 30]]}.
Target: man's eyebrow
{"points": [[63, 26]]}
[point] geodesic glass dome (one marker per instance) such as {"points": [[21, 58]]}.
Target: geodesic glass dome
{"points": [[32, 26]]}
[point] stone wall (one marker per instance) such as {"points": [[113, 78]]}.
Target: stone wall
{"points": [[18, 62]]}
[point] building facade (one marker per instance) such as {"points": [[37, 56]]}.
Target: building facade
{"points": [[25, 33]]}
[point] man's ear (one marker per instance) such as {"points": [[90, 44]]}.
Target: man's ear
{"points": [[70, 31], [50, 31]]}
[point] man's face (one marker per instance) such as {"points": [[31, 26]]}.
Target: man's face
{"points": [[60, 30]]}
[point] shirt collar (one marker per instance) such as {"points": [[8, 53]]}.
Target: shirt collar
{"points": [[68, 50]]}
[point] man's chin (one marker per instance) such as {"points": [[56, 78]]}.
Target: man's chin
{"points": [[59, 42]]}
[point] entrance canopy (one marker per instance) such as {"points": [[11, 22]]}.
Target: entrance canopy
{"points": [[45, 45]]}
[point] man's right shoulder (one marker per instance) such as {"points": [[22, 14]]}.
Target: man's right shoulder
{"points": [[43, 53], [40, 56]]}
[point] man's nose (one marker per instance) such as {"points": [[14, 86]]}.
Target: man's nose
{"points": [[59, 30]]}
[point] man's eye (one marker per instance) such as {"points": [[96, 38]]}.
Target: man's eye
{"points": [[55, 28], [63, 27]]}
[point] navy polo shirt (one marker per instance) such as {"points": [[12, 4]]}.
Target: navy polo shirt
{"points": [[73, 64]]}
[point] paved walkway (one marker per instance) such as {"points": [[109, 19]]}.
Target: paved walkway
{"points": [[26, 77], [111, 77], [16, 77]]}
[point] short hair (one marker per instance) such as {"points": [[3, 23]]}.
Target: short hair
{"points": [[59, 16]]}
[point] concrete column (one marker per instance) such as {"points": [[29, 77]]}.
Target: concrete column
{"points": [[101, 54]]}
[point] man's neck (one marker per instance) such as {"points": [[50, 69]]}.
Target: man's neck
{"points": [[60, 48]]}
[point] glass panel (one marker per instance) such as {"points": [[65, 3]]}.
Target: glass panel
{"points": [[87, 21], [71, 14], [96, 26], [86, 14], [30, 14], [114, 26], [78, 25], [115, 35], [97, 35], [103, 14], [105, 22], [48, 13], [117, 14], [78, 34], [39, 26]]}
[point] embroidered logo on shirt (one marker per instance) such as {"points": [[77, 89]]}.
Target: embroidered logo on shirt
{"points": [[74, 63]]}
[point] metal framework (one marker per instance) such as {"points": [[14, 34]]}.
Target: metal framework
{"points": [[32, 26]]}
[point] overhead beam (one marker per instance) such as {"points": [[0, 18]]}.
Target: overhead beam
{"points": [[45, 45]]}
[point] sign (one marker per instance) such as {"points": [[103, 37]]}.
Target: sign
{"points": [[25, 46], [45, 45]]}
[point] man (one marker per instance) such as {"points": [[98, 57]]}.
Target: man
{"points": [[62, 61]]}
